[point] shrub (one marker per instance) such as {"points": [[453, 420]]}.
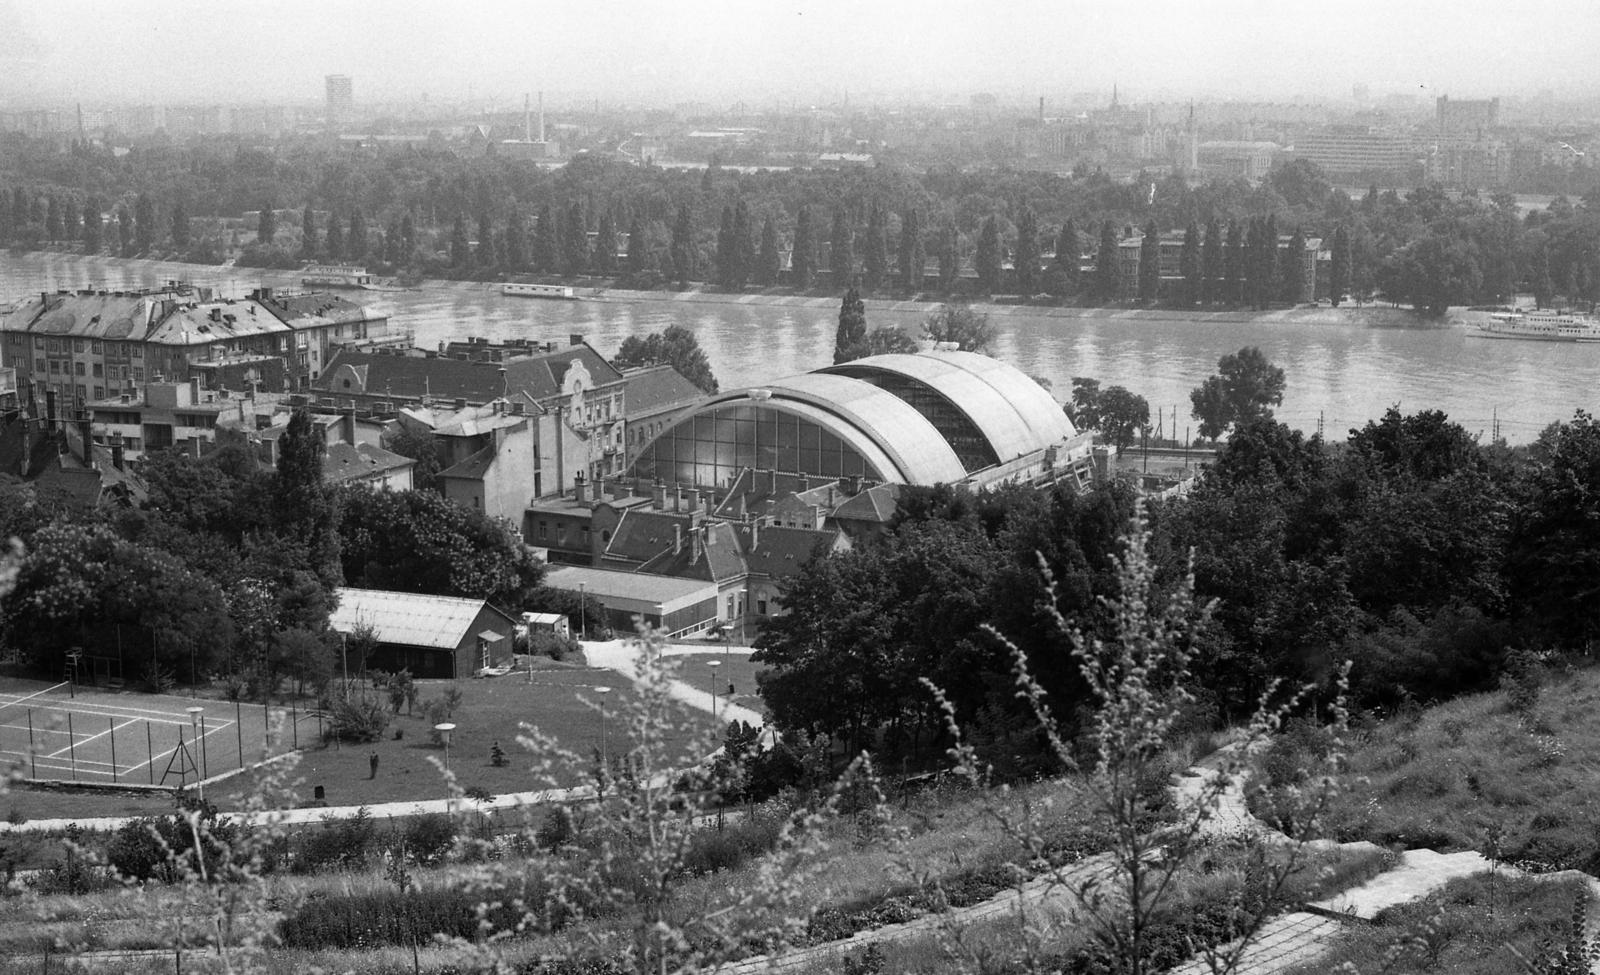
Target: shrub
{"points": [[429, 838], [357, 719], [343, 843], [552, 645]]}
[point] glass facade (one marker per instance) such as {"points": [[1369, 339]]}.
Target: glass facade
{"points": [[964, 437], [711, 448]]}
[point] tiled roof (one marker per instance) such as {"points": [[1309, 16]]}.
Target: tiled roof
{"points": [[216, 321], [658, 389], [345, 462], [411, 376], [407, 618], [781, 551], [642, 535], [874, 504], [315, 308], [473, 468]]}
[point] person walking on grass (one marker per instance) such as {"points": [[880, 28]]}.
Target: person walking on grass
{"points": [[372, 763]]}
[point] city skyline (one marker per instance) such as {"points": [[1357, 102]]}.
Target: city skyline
{"points": [[648, 54]]}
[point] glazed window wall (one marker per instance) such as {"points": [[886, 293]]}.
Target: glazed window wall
{"points": [[710, 449], [969, 443]]}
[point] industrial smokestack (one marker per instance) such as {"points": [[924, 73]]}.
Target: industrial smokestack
{"points": [[1041, 108], [527, 120], [541, 116]]}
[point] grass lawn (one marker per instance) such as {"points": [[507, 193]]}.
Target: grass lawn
{"points": [[732, 668], [1458, 773], [1468, 928], [491, 711]]}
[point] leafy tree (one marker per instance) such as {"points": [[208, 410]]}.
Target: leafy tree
{"points": [[355, 247], [1026, 256], [1553, 569], [1212, 261], [483, 255], [1150, 264], [1189, 265], [683, 250], [1339, 269], [460, 244], [744, 253], [1122, 415], [180, 225], [1085, 406], [851, 335], [422, 447], [887, 340], [125, 230], [804, 262], [546, 243], [333, 240], [303, 508], [912, 256], [958, 322], [1245, 388], [417, 541], [408, 237], [638, 259], [1107, 274], [308, 234], [727, 250], [1539, 278], [986, 259], [768, 261], [1432, 273], [53, 228], [875, 250], [145, 220], [676, 347], [841, 250], [605, 249]]}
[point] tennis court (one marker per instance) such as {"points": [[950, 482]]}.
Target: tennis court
{"points": [[62, 732]]}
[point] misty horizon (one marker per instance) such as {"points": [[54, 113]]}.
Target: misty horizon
{"points": [[645, 55]]}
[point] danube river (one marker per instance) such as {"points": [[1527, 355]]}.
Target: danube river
{"points": [[1339, 375]]}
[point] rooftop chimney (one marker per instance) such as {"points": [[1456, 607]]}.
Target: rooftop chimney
{"points": [[677, 498], [677, 538], [660, 496], [194, 390], [596, 487], [86, 431], [694, 539], [541, 116], [574, 339], [577, 486], [461, 402], [50, 409], [693, 500]]}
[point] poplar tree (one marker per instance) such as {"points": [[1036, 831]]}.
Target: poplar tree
{"points": [[69, 218], [545, 244], [1339, 269], [144, 213], [909, 258], [308, 234], [268, 226], [575, 252], [743, 251], [769, 261], [605, 247], [727, 255], [949, 257], [333, 241], [638, 249], [1150, 264], [516, 242], [180, 225], [1293, 269], [355, 245], [483, 255], [460, 247], [875, 257], [1269, 259], [52, 221], [1025, 259], [803, 263], [1211, 261], [1107, 276], [986, 258], [408, 237], [852, 331], [841, 250], [1189, 265], [92, 225], [1068, 249], [7, 228], [125, 229], [683, 247], [1233, 264]]}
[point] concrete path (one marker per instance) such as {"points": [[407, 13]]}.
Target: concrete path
{"points": [[619, 655]]}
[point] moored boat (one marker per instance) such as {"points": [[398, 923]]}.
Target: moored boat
{"points": [[513, 289], [1539, 326]]}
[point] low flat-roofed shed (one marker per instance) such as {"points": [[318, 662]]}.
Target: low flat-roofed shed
{"points": [[677, 606]]}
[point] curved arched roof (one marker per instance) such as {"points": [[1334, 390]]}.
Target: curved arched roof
{"points": [[1013, 412], [875, 422]]}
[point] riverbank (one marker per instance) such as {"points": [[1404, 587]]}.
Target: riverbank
{"points": [[1377, 316]]}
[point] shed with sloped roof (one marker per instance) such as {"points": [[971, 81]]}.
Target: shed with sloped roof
{"points": [[430, 636]]}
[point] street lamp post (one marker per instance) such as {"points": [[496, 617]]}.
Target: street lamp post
{"points": [[602, 691], [194, 727], [444, 729], [583, 610], [713, 664]]}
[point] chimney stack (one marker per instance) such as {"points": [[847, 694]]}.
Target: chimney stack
{"points": [[596, 489], [117, 451], [677, 497], [577, 486], [659, 500], [194, 390], [677, 538], [348, 424], [86, 431], [541, 116], [50, 410], [693, 500], [694, 540]]}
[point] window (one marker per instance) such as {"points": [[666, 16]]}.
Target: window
{"points": [[94, 346], [583, 534], [99, 371], [38, 341], [761, 606], [476, 501], [561, 532], [138, 351], [83, 393], [124, 370], [544, 531], [55, 365], [77, 345], [99, 391], [77, 368], [138, 374], [38, 366]]}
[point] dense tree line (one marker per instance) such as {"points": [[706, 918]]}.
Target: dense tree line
{"points": [[1421, 555], [1019, 232]]}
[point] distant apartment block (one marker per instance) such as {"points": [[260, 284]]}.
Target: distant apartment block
{"points": [[341, 102], [1465, 119], [1357, 149], [1249, 160], [1170, 250]]}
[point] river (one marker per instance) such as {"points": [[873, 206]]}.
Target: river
{"points": [[1338, 375]]}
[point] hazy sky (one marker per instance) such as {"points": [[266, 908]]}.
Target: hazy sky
{"points": [[663, 52]]}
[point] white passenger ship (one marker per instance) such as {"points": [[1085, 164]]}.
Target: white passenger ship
{"points": [[1539, 326], [560, 291], [335, 276]]}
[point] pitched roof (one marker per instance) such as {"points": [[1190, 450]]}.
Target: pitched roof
{"points": [[473, 467], [641, 535], [658, 389], [543, 373], [407, 618], [415, 376], [781, 551], [217, 321], [874, 504], [315, 308], [348, 462]]}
